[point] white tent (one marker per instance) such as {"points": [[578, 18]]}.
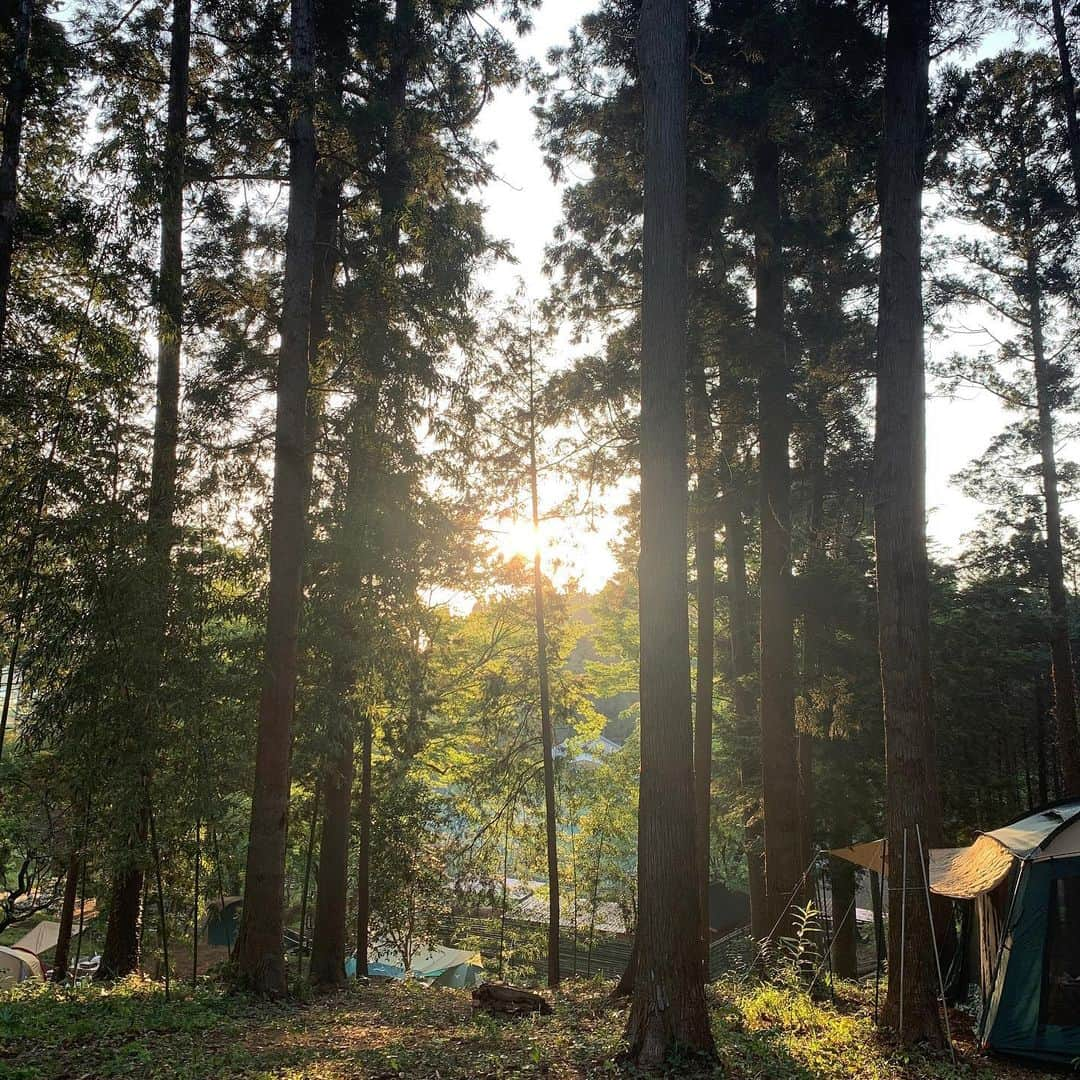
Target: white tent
{"points": [[41, 939], [18, 965]]}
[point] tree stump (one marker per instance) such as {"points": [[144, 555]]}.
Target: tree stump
{"points": [[510, 1000]]}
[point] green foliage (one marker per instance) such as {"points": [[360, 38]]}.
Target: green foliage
{"points": [[409, 889], [794, 960]]}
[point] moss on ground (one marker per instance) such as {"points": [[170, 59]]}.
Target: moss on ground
{"points": [[402, 1030]]}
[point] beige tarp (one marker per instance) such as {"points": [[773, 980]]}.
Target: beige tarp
{"points": [[964, 873], [868, 855], [41, 939]]}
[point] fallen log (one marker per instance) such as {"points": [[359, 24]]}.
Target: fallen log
{"points": [[510, 1000]]}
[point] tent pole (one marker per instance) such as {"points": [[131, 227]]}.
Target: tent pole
{"points": [[903, 932], [933, 939]]}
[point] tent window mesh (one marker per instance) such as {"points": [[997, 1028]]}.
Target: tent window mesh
{"points": [[1061, 996]]}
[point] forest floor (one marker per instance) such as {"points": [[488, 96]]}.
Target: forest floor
{"points": [[408, 1030]]}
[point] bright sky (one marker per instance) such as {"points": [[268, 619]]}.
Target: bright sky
{"points": [[525, 207]]}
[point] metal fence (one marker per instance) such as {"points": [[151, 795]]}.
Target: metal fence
{"points": [[521, 946]]}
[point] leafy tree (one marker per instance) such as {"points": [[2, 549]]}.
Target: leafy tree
{"points": [[1006, 117], [409, 895]]}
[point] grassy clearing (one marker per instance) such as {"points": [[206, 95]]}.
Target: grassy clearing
{"points": [[402, 1030]]}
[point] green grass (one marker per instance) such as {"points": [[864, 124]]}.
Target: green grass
{"points": [[403, 1030]]}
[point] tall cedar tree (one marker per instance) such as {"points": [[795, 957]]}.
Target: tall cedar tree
{"points": [[741, 669], [328, 948], [120, 955], [260, 962], [912, 796], [668, 1004], [14, 106], [779, 771], [328, 940]]}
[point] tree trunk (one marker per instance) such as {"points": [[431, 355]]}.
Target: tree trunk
{"points": [[67, 919], [844, 959], [1064, 681], [393, 192], [912, 796], [15, 101], [195, 904], [1040, 744], [705, 588], [547, 733], [260, 961], [1068, 93], [123, 930], [813, 613], [161, 507], [741, 641], [668, 1004], [309, 856], [328, 942], [363, 855], [780, 776]]}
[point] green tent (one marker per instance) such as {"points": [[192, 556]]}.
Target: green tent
{"points": [[222, 924], [1025, 881]]}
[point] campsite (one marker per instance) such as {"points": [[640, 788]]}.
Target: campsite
{"points": [[539, 538]]}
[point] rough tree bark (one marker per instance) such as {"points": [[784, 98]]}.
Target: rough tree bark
{"points": [[779, 766], [1064, 680], [668, 1003], [705, 596], [328, 938], [844, 960], [912, 795], [15, 103], [260, 960], [121, 953]]}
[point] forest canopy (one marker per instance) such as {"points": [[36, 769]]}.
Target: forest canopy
{"points": [[368, 590]]}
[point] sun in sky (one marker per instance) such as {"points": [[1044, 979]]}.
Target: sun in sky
{"points": [[513, 537]]}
